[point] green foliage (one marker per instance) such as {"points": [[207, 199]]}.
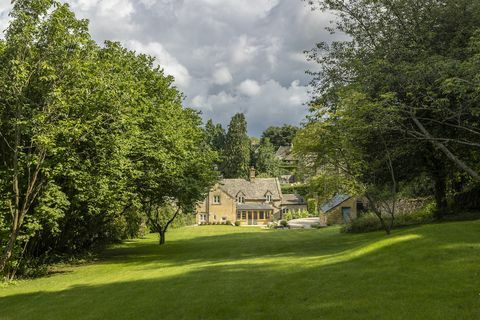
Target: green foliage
{"points": [[279, 136], [90, 137], [237, 223], [236, 157], [312, 207], [267, 163], [290, 215], [369, 221]]}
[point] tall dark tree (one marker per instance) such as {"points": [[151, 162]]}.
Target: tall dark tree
{"points": [[236, 157], [215, 135]]}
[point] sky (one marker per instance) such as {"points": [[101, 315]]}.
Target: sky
{"points": [[227, 56]]}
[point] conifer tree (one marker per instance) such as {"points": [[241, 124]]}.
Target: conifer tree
{"points": [[236, 157]]}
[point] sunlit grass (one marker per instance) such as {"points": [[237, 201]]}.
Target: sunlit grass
{"points": [[218, 272]]}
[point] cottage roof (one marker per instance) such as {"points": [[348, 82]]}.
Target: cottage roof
{"points": [[292, 199], [334, 202], [253, 190], [254, 206]]}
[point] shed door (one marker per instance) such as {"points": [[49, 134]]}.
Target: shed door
{"points": [[346, 214]]}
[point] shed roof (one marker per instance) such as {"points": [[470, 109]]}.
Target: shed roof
{"points": [[334, 202]]}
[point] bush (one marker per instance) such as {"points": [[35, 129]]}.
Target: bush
{"points": [[283, 223], [237, 223], [370, 222], [229, 223]]}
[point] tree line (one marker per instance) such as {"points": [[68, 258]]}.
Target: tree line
{"points": [[395, 108], [94, 141], [237, 152]]}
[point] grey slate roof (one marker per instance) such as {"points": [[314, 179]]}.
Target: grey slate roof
{"points": [[253, 190], [292, 199], [333, 202], [254, 206]]}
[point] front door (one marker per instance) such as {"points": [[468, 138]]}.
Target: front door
{"points": [[346, 214], [250, 217]]}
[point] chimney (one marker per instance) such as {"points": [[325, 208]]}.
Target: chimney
{"points": [[252, 173]]}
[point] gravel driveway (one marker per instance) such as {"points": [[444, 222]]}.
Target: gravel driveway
{"points": [[306, 223]]}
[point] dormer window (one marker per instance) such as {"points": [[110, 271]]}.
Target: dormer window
{"points": [[268, 197], [240, 198]]}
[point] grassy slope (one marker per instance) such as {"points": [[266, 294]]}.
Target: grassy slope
{"points": [[218, 272]]}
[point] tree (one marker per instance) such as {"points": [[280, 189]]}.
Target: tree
{"points": [[280, 136], [34, 83], [267, 163], [89, 137], [236, 157], [419, 56], [215, 135]]}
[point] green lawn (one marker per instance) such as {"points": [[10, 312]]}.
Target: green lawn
{"points": [[218, 272]]}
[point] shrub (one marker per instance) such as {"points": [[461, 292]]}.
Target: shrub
{"points": [[283, 223], [237, 223], [370, 222]]}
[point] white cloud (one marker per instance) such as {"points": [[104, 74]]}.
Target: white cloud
{"points": [[226, 55], [222, 76], [244, 50], [164, 59], [249, 87]]}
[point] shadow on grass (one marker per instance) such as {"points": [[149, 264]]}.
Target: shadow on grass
{"points": [[407, 275]]}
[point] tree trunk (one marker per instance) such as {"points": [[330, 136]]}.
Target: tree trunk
{"points": [[162, 237], [7, 254]]}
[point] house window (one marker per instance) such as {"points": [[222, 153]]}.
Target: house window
{"points": [[239, 216], [216, 199], [240, 199], [215, 217], [224, 218], [244, 215], [269, 198], [203, 217], [262, 215], [284, 210]]}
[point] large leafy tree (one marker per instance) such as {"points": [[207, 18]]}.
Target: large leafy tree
{"points": [[280, 136], [419, 56], [416, 61], [236, 157], [87, 136]]}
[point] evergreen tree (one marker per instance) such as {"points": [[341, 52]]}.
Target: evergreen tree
{"points": [[215, 135], [236, 157], [267, 163]]}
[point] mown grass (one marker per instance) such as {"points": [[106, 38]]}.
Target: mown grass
{"points": [[219, 272]]}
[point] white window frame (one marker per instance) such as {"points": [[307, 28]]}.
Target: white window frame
{"points": [[216, 199], [268, 198], [241, 199], [203, 217]]}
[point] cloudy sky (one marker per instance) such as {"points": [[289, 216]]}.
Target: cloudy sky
{"points": [[227, 56]]}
